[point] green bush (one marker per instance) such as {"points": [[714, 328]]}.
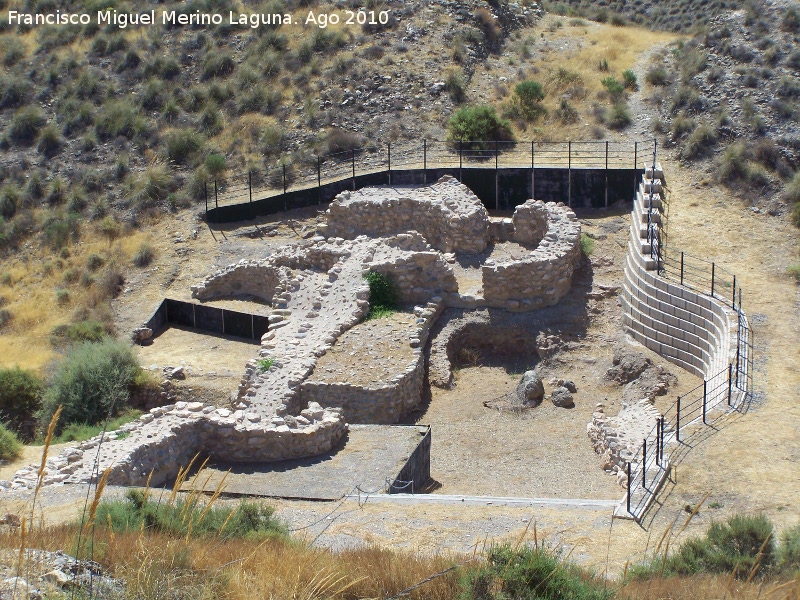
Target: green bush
{"points": [[789, 549], [50, 141], [79, 432], [566, 113], [248, 520], [182, 145], [629, 80], [744, 545], [215, 165], [58, 231], [734, 164], [614, 88], [700, 143], [530, 95], [477, 124], [25, 124], [218, 64], [383, 294], [120, 117], [529, 574], [144, 255], [75, 333], [619, 117], [587, 244], [91, 383], [20, 399], [14, 91], [10, 446], [152, 186], [10, 200], [656, 76]]}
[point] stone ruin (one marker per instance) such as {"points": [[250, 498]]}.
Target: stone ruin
{"points": [[440, 248]]}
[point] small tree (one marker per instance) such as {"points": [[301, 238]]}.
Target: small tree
{"points": [[92, 383], [530, 95], [478, 123], [20, 398]]}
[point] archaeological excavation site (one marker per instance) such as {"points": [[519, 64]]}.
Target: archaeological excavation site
{"points": [[509, 360]]}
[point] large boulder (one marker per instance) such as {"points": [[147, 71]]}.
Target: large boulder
{"points": [[562, 398], [530, 389]]}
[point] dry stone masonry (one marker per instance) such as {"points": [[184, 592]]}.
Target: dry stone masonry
{"points": [[297, 395]]}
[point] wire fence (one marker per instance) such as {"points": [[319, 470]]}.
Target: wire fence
{"points": [[719, 394], [389, 159]]}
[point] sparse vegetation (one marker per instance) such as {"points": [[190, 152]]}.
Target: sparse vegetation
{"points": [[10, 446], [587, 245], [265, 364], [478, 123], [20, 399], [383, 295]]}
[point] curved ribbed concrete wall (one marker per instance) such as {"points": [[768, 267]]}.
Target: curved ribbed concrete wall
{"points": [[692, 330]]}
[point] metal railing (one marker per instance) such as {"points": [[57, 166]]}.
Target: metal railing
{"points": [[729, 389], [286, 175]]}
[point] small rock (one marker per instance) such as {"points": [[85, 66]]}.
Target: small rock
{"points": [[530, 390], [562, 398]]}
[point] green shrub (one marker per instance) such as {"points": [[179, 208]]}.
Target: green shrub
{"points": [[587, 244], [791, 20], [119, 117], [218, 64], [248, 520], [50, 141], [25, 124], [614, 88], [687, 98], [10, 446], [211, 121], [13, 51], [14, 91], [10, 200], [743, 545], [383, 294], [529, 574], [58, 231], [91, 383], [20, 399], [265, 364], [144, 255], [75, 333], [619, 117], [791, 192], [629, 80], [477, 124], [182, 145], [215, 165], [734, 164], [152, 186], [455, 85], [700, 143], [656, 76], [530, 95], [566, 113], [789, 549]]}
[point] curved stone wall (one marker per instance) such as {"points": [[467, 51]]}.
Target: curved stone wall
{"points": [[545, 275]]}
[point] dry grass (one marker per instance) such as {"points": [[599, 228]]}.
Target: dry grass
{"points": [[587, 45], [710, 587], [30, 289]]}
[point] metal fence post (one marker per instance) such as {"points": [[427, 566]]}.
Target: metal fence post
{"points": [[712, 279], [496, 181], [205, 193], [644, 463], [658, 442], [216, 195], [319, 178], [705, 388], [629, 489], [678, 420], [606, 175], [250, 183], [461, 160], [353, 159], [681, 268], [733, 298], [425, 159], [569, 173], [730, 383], [389, 160], [533, 172], [284, 179]]}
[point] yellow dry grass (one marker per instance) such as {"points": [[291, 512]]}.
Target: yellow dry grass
{"points": [[28, 283], [578, 51]]}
